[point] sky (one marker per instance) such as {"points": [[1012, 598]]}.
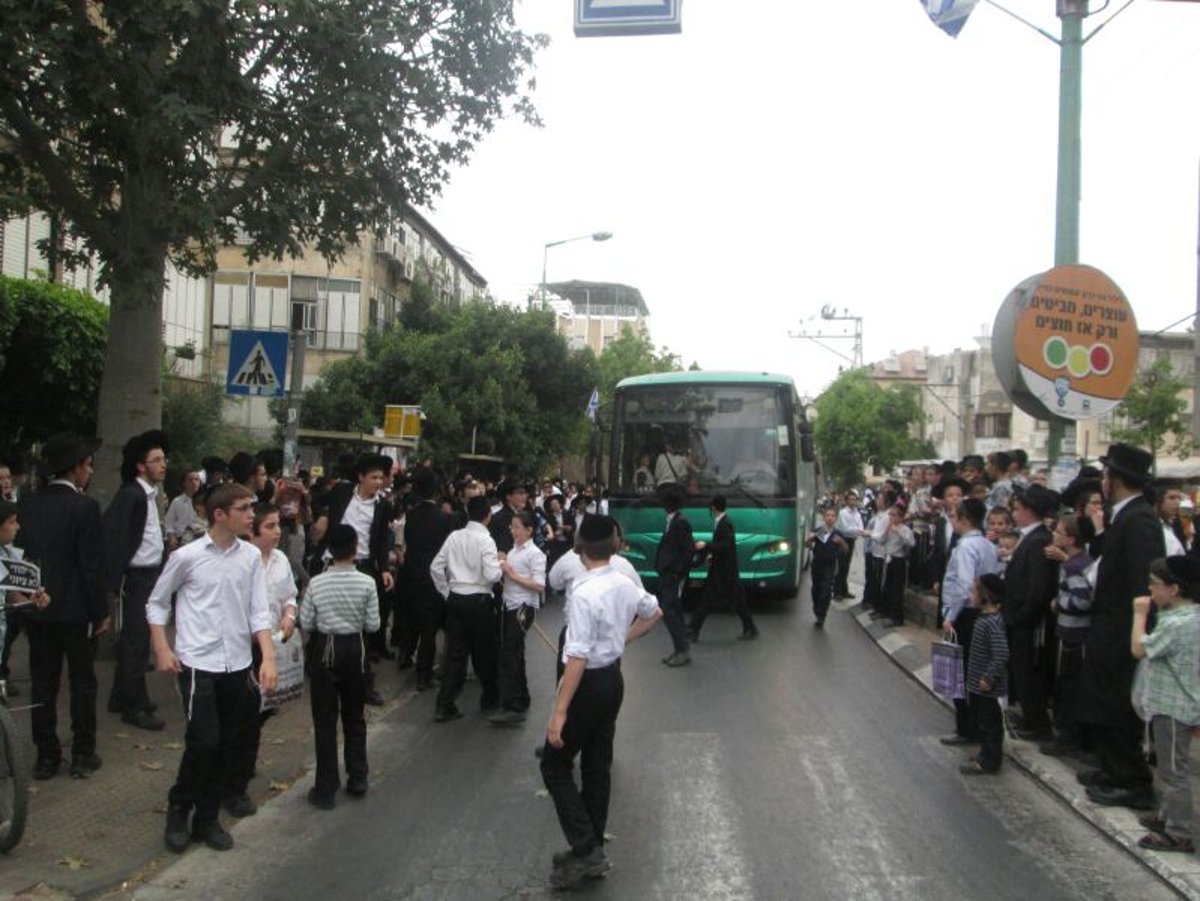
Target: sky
{"points": [[778, 156]]}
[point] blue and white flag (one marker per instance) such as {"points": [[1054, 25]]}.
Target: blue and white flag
{"points": [[593, 406], [949, 15]]}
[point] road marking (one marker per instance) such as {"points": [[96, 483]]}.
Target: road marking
{"points": [[862, 857], [702, 850]]}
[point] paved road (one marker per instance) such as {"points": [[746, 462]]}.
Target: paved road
{"points": [[803, 766]]}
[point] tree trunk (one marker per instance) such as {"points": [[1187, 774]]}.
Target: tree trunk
{"points": [[131, 387]]}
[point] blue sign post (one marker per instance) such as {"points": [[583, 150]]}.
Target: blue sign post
{"points": [[257, 363], [617, 17]]}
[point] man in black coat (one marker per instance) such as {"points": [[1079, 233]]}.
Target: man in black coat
{"points": [[673, 562], [425, 529], [723, 587], [62, 533], [133, 560], [1132, 540], [514, 496], [1030, 585]]}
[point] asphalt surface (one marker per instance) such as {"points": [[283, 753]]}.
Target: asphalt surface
{"points": [[801, 766]]}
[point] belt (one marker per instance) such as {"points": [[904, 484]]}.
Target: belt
{"points": [[479, 596]]}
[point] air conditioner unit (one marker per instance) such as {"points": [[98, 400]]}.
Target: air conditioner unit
{"points": [[409, 270]]}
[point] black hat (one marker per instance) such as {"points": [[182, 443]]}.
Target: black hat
{"points": [[993, 583], [371, 462], [939, 490], [1131, 464], [66, 449], [1184, 568], [948, 467], [1090, 472], [975, 461], [508, 486], [137, 447], [1038, 498], [1079, 488], [596, 527]]}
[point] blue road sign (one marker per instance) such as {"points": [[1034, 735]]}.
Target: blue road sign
{"points": [[616, 17], [257, 363]]}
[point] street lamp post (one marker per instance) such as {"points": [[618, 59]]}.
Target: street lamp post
{"points": [[594, 236]]}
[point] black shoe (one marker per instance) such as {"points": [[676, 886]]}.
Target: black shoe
{"points": [[318, 800], [1039, 735], [177, 835], [84, 765], [749, 634], [679, 658], [1092, 778], [1153, 822], [1133, 798], [238, 806], [1054, 749], [975, 768], [143, 719], [213, 835], [373, 697], [954, 739], [819, 623], [447, 713], [574, 869], [356, 786], [424, 684], [506, 718], [46, 768]]}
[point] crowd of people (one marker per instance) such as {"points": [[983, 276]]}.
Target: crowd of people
{"points": [[1054, 598]]}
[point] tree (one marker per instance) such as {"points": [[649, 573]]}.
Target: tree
{"points": [[486, 373], [167, 127], [1153, 412], [51, 356], [631, 354], [858, 424]]}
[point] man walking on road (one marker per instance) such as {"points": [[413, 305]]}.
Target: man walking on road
{"points": [[723, 587], [62, 532], [425, 529], [672, 562], [134, 556]]}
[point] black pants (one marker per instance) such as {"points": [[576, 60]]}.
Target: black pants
{"points": [[376, 641], [49, 643], [841, 587], [717, 596], [426, 611], [15, 623], [1027, 681], [989, 723], [964, 628], [873, 582], [129, 693], [589, 731], [824, 574], [1070, 665], [670, 599], [894, 578], [470, 632], [337, 685], [514, 686], [239, 769], [217, 705], [1121, 757]]}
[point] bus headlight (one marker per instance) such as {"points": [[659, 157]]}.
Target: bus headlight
{"points": [[778, 547]]}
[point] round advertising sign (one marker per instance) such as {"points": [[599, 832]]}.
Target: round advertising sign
{"points": [[1065, 344]]}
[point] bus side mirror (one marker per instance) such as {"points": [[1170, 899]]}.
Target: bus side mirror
{"points": [[808, 453]]}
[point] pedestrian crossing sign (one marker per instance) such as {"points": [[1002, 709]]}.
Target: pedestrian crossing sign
{"points": [[620, 17], [257, 363]]}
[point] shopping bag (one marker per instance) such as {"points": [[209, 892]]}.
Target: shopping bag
{"points": [[947, 660], [289, 669]]}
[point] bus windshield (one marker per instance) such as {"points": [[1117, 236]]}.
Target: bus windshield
{"points": [[704, 439]]}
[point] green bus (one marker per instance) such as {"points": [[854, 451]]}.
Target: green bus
{"points": [[740, 434]]}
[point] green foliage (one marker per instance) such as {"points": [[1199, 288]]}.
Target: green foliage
{"points": [[861, 424], [52, 342], [631, 354], [506, 374], [1153, 412]]}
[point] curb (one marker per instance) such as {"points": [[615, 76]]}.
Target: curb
{"points": [[1180, 871]]}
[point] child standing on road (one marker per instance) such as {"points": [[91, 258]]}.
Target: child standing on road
{"points": [[524, 581], [1172, 692], [601, 607], [987, 676], [340, 606], [828, 549]]}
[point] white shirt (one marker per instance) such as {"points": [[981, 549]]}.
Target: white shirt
{"points": [[181, 513], [150, 551], [849, 523], [601, 608], [670, 468], [1173, 544], [281, 585], [360, 514], [467, 562], [529, 561], [570, 567], [221, 600]]}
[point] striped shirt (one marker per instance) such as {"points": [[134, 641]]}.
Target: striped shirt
{"points": [[989, 656], [1074, 599], [340, 601], [1173, 668]]}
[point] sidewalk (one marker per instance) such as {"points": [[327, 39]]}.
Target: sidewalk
{"points": [[909, 647], [92, 836]]}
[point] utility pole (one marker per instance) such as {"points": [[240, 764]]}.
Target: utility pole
{"points": [[295, 394], [830, 314]]}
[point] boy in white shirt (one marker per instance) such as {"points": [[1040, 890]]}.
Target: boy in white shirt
{"points": [[601, 607], [524, 570]]}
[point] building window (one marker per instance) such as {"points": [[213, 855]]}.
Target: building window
{"points": [[332, 311], [993, 425]]}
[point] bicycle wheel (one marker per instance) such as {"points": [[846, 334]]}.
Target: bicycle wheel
{"points": [[14, 783]]}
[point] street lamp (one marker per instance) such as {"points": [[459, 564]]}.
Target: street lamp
{"points": [[594, 236]]}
